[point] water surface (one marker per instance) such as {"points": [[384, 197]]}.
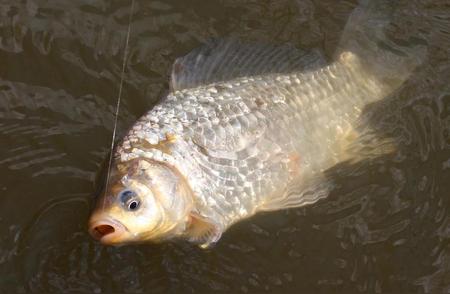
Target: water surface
{"points": [[385, 228]]}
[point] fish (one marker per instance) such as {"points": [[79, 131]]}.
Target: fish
{"points": [[246, 128]]}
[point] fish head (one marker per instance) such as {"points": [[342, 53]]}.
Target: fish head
{"points": [[144, 200]]}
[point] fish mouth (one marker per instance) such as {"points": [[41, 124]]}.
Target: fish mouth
{"points": [[106, 230]]}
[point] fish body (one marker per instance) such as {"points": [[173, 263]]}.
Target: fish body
{"points": [[239, 144], [219, 149]]}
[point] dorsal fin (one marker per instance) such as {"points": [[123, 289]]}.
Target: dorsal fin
{"points": [[223, 60]]}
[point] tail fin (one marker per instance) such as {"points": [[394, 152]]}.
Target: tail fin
{"points": [[389, 60]]}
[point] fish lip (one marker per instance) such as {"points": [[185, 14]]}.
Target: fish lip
{"points": [[109, 239]]}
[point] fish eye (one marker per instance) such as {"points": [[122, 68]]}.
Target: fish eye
{"points": [[129, 200], [133, 205]]}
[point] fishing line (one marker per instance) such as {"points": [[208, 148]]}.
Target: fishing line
{"points": [[119, 97]]}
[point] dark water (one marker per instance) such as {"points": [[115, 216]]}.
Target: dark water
{"points": [[384, 229]]}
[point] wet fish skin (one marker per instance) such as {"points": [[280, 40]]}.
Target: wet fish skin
{"points": [[244, 129], [239, 144]]}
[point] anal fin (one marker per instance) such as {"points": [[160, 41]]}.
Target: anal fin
{"points": [[364, 143], [300, 192]]}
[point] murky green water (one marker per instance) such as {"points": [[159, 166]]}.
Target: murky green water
{"points": [[385, 228]]}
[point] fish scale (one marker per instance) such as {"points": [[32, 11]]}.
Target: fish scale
{"points": [[296, 112], [246, 128]]}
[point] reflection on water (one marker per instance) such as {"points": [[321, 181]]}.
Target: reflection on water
{"points": [[385, 228]]}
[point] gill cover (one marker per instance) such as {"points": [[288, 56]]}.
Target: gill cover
{"points": [[160, 185]]}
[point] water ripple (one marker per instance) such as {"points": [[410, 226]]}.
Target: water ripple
{"points": [[385, 228]]}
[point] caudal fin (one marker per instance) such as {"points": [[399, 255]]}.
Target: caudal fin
{"points": [[391, 61]]}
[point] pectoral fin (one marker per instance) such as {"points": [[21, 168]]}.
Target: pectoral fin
{"points": [[202, 232]]}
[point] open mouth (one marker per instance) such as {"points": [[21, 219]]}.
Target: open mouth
{"points": [[106, 230]]}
